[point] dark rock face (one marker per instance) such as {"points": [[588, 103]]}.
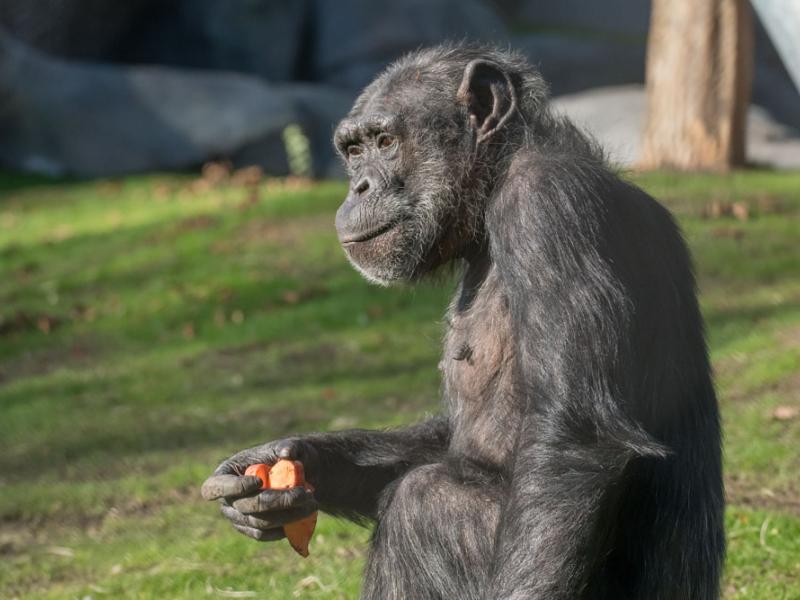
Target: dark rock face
{"points": [[256, 37], [93, 88], [572, 65], [355, 39], [64, 117], [90, 90], [629, 18], [79, 29]]}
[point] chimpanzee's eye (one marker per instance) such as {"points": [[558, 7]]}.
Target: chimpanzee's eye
{"points": [[354, 150], [385, 140]]}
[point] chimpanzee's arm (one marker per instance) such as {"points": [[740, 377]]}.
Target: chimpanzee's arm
{"points": [[348, 471], [572, 317], [352, 467], [560, 508]]}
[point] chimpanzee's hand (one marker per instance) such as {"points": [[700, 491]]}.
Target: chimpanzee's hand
{"points": [[261, 514]]}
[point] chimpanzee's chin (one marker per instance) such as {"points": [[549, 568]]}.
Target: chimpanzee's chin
{"points": [[379, 275], [381, 270]]}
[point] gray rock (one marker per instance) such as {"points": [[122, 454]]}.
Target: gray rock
{"points": [[615, 116], [355, 39], [103, 118], [265, 38], [571, 64], [63, 117], [772, 86], [259, 37], [218, 80], [626, 17], [81, 29], [781, 18]]}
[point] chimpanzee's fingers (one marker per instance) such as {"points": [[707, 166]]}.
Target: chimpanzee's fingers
{"points": [[268, 453], [236, 464], [269, 520], [291, 448], [229, 486], [237, 518], [276, 500], [268, 535]]}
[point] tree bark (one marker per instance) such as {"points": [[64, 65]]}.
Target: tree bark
{"points": [[699, 71]]}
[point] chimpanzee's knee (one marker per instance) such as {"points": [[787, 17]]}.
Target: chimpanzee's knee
{"points": [[434, 537]]}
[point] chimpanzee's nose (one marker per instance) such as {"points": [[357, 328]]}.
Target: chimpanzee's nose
{"points": [[362, 187]]}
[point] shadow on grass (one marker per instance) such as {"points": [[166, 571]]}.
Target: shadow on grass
{"points": [[108, 428], [727, 325], [91, 455], [298, 376], [12, 181]]}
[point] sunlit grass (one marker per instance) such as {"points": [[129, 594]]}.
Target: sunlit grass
{"points": [[150, 326]]}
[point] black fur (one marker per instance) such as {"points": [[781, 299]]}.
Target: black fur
{"points": [[579, 451]]}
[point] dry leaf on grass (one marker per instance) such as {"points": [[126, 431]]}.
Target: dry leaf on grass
{"points": [[785, 413]]}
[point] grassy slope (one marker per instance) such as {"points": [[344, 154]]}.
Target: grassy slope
{"points": [[148, 329]]}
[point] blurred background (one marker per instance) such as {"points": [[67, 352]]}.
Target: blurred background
{"points": [[171, 287], [91, 89]]}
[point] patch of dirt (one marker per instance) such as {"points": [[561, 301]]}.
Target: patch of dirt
{"points": [[187, 225], [19, 530], [752, 495], [322, 353], [228, 358], [723, 206], [196, 223], [240, 359], [790, 338], [788, 386], [80, 353], [734, 233], [297, 296], [24, 322], [281, 232]]}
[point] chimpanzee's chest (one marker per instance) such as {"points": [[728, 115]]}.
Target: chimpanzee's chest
{"points": [[478, 368]]}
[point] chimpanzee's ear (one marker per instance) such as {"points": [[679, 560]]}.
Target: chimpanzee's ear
{"points": [[489, 95]]}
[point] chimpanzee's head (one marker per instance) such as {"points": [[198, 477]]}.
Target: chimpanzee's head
{"points": [[423, 145]]}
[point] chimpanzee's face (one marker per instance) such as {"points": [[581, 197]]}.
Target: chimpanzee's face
{"points": [[415, 148], [373, 221], [397, 221]]}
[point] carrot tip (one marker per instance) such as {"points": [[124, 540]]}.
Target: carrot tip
{"points": [[285, 474]]}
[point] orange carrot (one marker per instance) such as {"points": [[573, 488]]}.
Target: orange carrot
{"points": [[262, 472], [283, 475]]}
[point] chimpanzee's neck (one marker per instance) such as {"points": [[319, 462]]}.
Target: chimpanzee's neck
{"points": [[479, 264]]}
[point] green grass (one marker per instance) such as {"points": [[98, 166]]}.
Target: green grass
{"points": [[151, 326]]}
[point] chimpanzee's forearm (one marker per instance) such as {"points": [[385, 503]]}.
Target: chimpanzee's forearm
{"points": [[551, 519], [354, 466], [565, 486]]}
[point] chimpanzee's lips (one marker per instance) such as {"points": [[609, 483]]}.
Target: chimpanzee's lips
{"points": [[363, 236]]}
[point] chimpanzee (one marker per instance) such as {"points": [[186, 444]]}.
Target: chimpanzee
{"points": [[578, 453]]}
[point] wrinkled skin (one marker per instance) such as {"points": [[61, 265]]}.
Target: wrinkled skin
{"points": [[578, 453], [259, 514]]}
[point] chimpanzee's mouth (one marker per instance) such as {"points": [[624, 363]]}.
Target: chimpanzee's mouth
{"points": [[369, 234]]}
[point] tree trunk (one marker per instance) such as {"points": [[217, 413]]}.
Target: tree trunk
{"points": [[699, 70]]}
